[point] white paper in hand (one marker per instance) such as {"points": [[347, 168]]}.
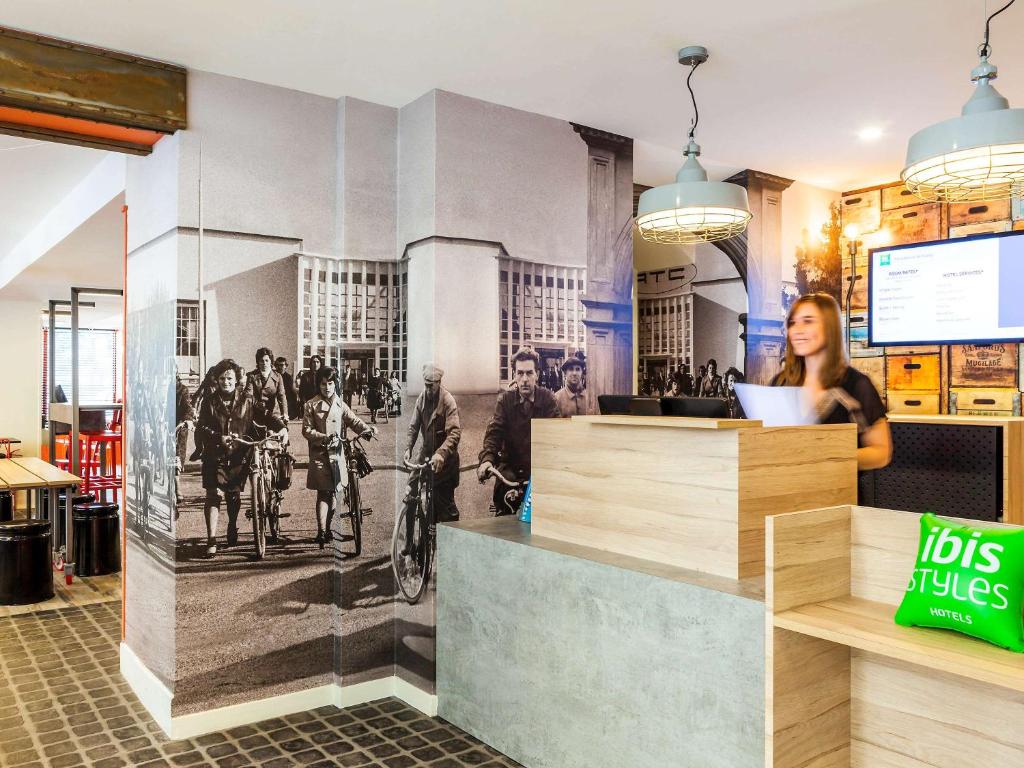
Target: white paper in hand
{"points": [[775, 406]]}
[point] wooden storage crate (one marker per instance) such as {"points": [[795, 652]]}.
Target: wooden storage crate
{"points": [[859, 343], [984, 402], [919, 373], [983, 365], [975, 213], [874, 369], [927, 349], [913, 224], [982, 228], [1018, 225], [862, 209], [898, 196], [921, 403]]}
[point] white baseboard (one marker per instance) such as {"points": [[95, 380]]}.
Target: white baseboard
{"points": [[360, 693], [157, 698], [154, 695], [222, 718], [415, 697]]}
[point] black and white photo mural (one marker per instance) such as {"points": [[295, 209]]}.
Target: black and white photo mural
{"points": [[353, 338]]}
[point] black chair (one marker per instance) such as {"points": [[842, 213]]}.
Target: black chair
{"points": [[97, 539], [695, 407], [26, 567]]}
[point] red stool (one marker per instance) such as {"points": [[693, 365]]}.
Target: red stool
{"points": [[101, 462]]}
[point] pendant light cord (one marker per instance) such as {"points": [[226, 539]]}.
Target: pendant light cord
{"points": [[696, 114], [986, 50]]}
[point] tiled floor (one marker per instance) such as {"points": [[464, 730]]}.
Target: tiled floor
{"points": [[63, 703], [95, 589]]}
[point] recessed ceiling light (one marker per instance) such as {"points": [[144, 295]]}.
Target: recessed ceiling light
{"points": [[870, 133]]}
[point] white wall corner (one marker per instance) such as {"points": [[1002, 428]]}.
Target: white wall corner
{"points": [[154, 695]]}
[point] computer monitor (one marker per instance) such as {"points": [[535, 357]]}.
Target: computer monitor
{"points": [[695, 407], [613, 405], [644, 406], [628, 405]]}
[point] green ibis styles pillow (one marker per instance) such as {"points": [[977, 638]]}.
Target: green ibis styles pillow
{"points": [[970, 580]]}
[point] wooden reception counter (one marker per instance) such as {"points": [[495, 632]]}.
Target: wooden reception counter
{"points": [[692, 493]]}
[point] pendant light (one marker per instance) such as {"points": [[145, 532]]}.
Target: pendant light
{"points": [[977, 156], [693, 210]]}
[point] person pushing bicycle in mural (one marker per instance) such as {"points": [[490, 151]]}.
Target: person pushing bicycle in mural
{"points": [[435, 424], [226, 415], [506, 448], [325, 420]]}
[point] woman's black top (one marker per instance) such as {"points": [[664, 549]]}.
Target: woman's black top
{"points": [[855, 401]]}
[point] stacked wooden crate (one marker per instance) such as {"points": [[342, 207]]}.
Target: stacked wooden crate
{"points": [[965, 379]]}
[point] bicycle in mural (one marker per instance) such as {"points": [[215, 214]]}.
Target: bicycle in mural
{"points": [[508, 494], [358, 467], [413, 541], [265, 493]]}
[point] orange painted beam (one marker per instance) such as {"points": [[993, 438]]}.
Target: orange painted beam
{"points": [[79, 127]]}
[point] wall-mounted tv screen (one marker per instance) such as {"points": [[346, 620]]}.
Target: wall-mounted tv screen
{"points": [[968, 290]]}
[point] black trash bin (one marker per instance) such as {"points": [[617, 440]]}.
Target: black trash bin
{"points": [[97, 539], [26, 568], [58, 524], [6, 506]]}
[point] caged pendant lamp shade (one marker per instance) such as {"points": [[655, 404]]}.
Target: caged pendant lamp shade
{"points": [[693, 209], [976, 157]]}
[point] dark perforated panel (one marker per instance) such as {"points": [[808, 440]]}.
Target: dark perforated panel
{"points": [[949, 469]]}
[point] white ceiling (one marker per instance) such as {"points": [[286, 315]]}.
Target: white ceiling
{"points": [[789, 84], [35, 176], [91, 256]]}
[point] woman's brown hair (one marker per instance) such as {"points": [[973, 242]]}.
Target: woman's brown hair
{"points": [[793, 369]]}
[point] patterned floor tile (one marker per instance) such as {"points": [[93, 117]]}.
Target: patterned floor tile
{"points": [[63, 704]]}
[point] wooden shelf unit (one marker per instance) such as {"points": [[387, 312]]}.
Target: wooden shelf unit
{"points": [[848, 687]]}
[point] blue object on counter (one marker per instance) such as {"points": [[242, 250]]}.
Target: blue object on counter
{"points": [[524, 508]]}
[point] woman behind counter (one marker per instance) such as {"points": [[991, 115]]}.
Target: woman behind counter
{"points": [[816, 361]]}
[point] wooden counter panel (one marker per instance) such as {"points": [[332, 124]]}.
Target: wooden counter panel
{"points": [[935, 720], [620, 498], [692, 498], [787, 469]]}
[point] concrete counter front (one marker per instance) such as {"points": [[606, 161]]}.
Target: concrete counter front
{"points": [[563, 656]]}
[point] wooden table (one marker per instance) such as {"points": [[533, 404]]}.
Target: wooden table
{"points": [[33, 474]]}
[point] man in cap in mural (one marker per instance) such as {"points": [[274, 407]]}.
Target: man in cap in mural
{"points": [[572, 397], [507, 437], [435, 425]]}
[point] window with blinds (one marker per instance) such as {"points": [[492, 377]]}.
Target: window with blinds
{"points": [[99, 366]]}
